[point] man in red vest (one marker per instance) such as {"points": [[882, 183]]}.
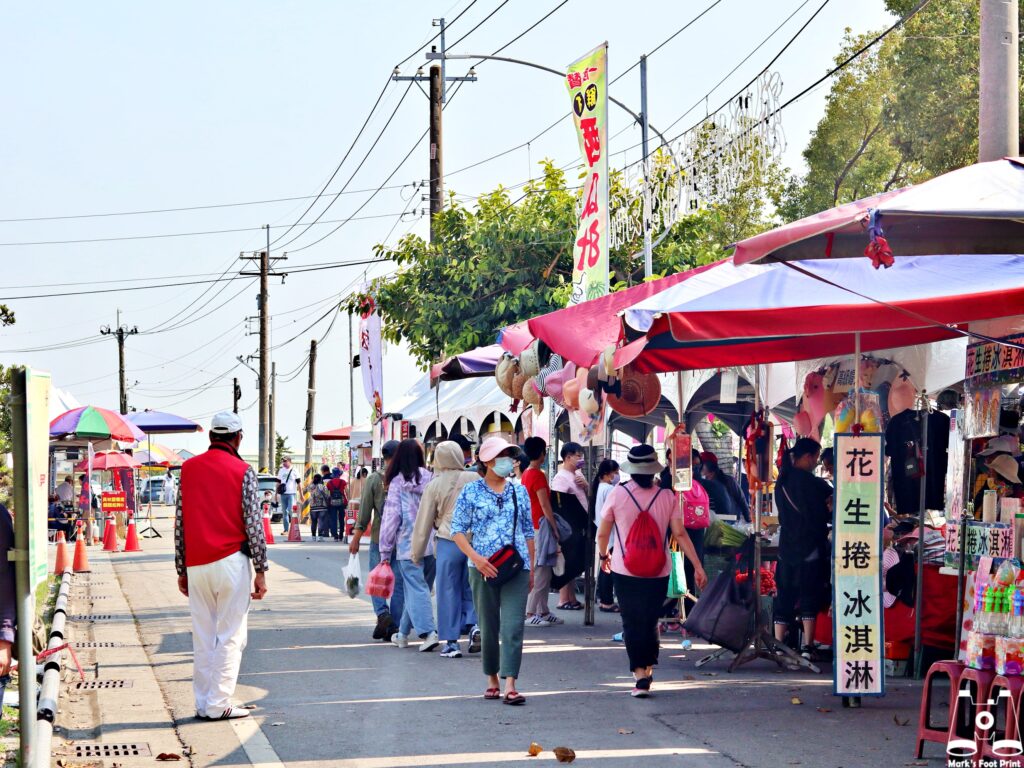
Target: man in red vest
{"points": [[218, 530]]}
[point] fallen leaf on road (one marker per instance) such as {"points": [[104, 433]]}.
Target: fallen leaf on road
{"points": [[624, 731], [168, 756], [564, 754], [899, 722], [825, 710], [249, 706], [795, 700], [535, 749], [277, 723]]}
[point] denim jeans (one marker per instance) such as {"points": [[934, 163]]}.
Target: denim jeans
{"points": [[329, 523], [419, 608], [454, 597], [287, 502], [397, 597]]}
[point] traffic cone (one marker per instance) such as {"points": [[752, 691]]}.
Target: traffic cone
{"points": [[94, 529], [131, 539], [293, 529], [110, 534], [62, 555], [81, 564], [269, 534]]}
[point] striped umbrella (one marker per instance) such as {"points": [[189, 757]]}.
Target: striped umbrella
{"points": [[92, 423], [157, 454]]}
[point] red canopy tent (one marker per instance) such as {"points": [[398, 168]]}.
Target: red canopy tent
{"points": [[341, 433]]}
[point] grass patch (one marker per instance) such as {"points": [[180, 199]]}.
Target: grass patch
{"points": [[9, 723]]}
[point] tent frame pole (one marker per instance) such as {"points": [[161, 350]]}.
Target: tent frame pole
{"points": [[923, 414]]}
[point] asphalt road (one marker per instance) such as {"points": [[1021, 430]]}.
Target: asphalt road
{"points": [[326, 694]]}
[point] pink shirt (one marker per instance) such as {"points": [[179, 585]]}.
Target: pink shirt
{"points": [[620, 509], [564, 481]]}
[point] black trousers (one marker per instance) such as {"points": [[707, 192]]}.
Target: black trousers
{"points": [[640, 602]]}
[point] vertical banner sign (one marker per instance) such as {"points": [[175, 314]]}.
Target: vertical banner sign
{"points": [[859, 668], [37, 461], [587, 80], [371, 359]]}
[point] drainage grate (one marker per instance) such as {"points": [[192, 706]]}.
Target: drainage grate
{"points": [[91, 617], [93, 685], [95, 749], [99, 645], [90, 597]]}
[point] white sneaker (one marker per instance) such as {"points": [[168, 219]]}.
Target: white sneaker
{"points": [[537, 621], [550, 618], [430, 642], [402, 641], [231, 713]]}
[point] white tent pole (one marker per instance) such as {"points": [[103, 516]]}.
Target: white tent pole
{"points": [[856, 378]]}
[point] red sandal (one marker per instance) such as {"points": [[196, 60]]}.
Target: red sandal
{"points": [[492, 693], [514, 698]]}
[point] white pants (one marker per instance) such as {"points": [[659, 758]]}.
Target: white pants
{"points": [[218, 596]]}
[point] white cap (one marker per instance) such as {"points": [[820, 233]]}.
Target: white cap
{"points": [[226, 423]]}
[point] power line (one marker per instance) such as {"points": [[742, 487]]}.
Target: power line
{"points": [[447, 26], [479, 23]]}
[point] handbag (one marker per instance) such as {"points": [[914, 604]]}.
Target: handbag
{"points": [[507, 560], [696, 508], [677, 578], [724, 614], [281, 487]]}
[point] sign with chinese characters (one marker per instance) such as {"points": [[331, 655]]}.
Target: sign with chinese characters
{"points": [[991, 359], [994, 540], [857, 566], [587, 81], [113, 501], [371, 358]]}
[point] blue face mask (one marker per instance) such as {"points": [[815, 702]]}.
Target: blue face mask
{"points": [[504, 466]]}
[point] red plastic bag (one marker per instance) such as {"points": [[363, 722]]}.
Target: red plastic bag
{"points": [[381, 581]]}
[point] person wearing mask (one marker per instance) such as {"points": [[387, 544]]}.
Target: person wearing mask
{"points": [[495, 512], [8, 600], [218, 540], [406, 479], [287, 489], [641, 596], [66, 492], [802, 500], [454, 596], [371, 508], [337, 503], [570, 479], [730, 494], [605, 480], [828, 463], [541, 516], [319, 500]]}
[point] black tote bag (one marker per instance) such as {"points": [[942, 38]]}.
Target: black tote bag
{"points": [[724, 614]]}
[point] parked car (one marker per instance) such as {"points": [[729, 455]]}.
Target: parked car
{"points": [[270, 483], [152, 490]]}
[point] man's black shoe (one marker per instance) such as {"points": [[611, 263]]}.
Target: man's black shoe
{"points": [[382, 630]]}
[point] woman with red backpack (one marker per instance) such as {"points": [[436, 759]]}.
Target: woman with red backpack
{"points": [[642, 514]]}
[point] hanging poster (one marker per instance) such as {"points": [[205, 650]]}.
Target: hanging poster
{"points": [[857, 566], [587, 81], [982, 412], [371, 358]]}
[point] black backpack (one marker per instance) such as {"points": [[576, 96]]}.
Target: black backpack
{"points": [[337, 498]]}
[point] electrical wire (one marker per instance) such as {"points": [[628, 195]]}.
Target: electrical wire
{"points": [[448, 25], [479, 24]]}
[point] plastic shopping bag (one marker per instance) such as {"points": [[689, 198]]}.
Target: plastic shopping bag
{"points": [[381, 581], [559, 567], [353, 576], [677, 579]]}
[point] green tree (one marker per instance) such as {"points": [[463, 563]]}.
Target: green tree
{"points": [[281, 448], [510, 259], [903, 112]]}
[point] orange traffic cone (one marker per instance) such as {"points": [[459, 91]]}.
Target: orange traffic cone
{"points": [[81, 564], [94, 530], [110, 534], [131, 539], [269, 534], [62, 563], [293, 529]]}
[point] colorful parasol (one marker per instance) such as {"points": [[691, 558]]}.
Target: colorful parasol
{"points": [[109, 460], [158, 422], [157, 454], [92, 423]]}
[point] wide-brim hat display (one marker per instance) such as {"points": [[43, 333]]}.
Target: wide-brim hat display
{"points": [[641, 393], [1006, 467], [529, 360], [573, 387], [518, 382], [1002, 444], [532, 396], [504, 371], [642, 460], [554, 385]]}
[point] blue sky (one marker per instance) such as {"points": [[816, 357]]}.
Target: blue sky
{"points": [[123, 106]]}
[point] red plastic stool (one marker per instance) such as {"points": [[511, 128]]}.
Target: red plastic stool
{"points": [[970, 714], [996, 742], [926, 731]]}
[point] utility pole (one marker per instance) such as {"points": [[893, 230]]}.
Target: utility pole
{"points": [[310, 406], [644, 128], [236, 394], [265, 440], [999, 106], [272, 465], [437, 96], [120, 332]]}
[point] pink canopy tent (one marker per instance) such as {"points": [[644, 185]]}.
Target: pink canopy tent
{"points": [[974, 210], [581, 332], [762, 313]]}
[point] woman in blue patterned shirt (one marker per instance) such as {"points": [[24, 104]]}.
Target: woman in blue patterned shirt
{"points": [[496, 511]]}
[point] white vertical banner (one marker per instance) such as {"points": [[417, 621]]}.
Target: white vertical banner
{"points": [[371, 358]]}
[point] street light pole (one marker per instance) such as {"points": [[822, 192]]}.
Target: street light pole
{"points": [[999, 101]]}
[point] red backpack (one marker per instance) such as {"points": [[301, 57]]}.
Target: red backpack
{"points": [[643, 552]]}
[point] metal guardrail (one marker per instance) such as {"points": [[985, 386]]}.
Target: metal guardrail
{"points": [[49, 690]]}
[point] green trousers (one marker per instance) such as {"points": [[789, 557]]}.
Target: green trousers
{"points": [[500, 614]]}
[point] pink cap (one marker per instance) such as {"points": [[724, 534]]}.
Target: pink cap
{"points": [[493, 447]]}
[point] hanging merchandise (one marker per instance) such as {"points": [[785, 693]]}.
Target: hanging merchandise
{"points": [[505, 372], [812, 406], [555, 383], [757, 450], [641, 393], [371, 357], [982, 412], [729, 386], [903, 445]]}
